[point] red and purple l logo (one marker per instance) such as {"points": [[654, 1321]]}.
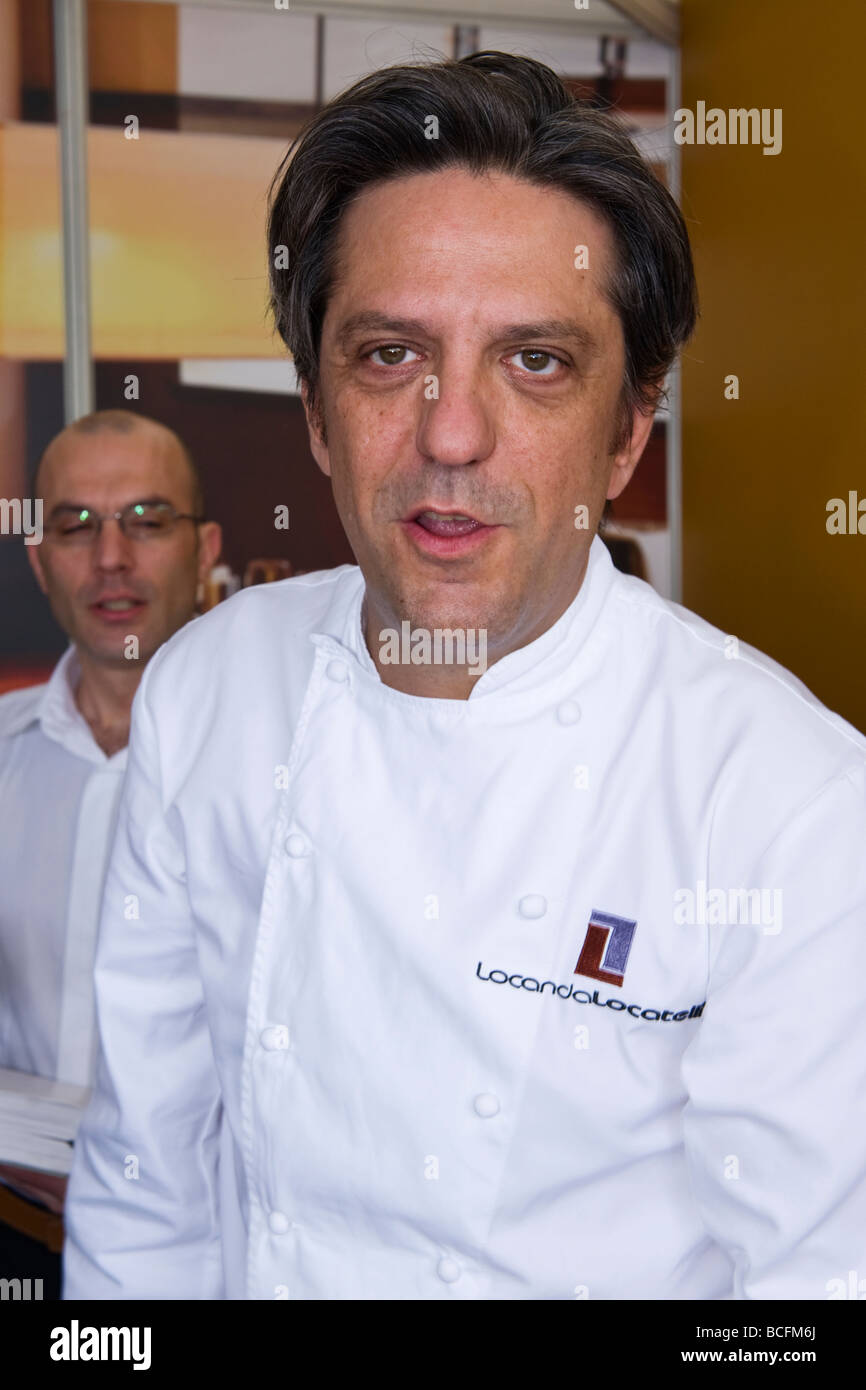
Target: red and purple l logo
{"points": [[605, 951]]}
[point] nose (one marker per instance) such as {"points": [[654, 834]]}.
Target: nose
{"points": [[456, 426], [112, 550]]}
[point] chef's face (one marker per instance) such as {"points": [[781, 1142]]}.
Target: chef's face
{"points": [[470, 379], [115, 587]]}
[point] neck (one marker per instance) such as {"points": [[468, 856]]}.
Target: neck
{"points": [[104, 696]]}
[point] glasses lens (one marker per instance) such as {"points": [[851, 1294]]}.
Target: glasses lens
{"points": [[75, 528], [143, 521]]}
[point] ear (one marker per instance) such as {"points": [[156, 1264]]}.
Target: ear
{"points": [[35, 559], [315, 427], [210, 544], [625, 461]]}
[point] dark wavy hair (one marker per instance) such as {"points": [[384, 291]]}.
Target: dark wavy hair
{"points": [[495, 111]]}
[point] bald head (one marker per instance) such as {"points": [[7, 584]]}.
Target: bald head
{"points": [[152, 436], [113, 585]]}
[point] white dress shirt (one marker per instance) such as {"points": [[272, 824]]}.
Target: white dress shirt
{"points": [[59, 795], [396, 995]]}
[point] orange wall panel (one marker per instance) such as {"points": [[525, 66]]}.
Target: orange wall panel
{"points": [[131, 47], [778, 242]]}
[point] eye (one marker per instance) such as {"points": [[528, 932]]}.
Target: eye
{"points": [[389, 348], [537, 361], [147, 519], [73, 525]]}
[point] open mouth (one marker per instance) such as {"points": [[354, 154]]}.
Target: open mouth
{"points": [[447, 523], [118, 607], [446, 535]]}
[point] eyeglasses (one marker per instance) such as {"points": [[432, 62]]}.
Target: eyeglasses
{"points": [[140, 521]]}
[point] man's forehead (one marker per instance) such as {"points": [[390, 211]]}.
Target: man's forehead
{"points": [[487, 193], [108, 462], [517, 253], [456, 208]]}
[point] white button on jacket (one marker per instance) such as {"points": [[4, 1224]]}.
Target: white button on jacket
{"points": [[571, 973]]}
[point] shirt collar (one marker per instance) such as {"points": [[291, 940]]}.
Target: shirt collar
{"points": [[530, 668], [62, 720]]}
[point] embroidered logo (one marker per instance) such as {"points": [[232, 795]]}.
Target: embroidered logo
{"points": [[605, 950]]}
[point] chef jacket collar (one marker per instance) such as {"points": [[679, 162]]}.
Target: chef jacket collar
{"points": [[545, 666], [57, 713]]}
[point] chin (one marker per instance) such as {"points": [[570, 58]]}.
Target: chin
{"points": [[109, 648], [476, 605], [122, 662]]}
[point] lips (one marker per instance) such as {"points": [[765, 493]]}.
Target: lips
{"points": [[447, 535], [447, 524], [116, 607]]}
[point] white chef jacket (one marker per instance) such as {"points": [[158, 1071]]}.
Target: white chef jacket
{"points": [[345, 1050], [59, 796]]}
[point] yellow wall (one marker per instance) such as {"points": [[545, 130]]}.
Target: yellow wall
{"points": [[177, 220], [779, 244], [177, 244]]}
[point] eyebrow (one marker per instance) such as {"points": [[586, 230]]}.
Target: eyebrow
{"points": [[568, 329]]}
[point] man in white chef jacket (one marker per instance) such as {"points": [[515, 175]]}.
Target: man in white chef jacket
{"points": [[118, 588], [535, 974]]}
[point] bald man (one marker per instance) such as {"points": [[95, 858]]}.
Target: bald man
{"points": [[124, 548]]}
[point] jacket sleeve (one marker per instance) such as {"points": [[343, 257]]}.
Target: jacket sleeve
{"points": [[142, 1216], [774, 1126]]}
